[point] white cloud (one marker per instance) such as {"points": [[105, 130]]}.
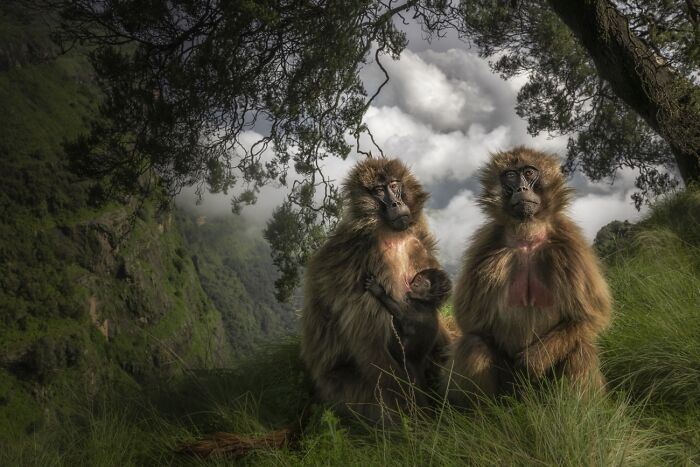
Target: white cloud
{"points": [[443, 113], [433, 155], [424, 90], [453, 226], [452, 90], [593, 211]]}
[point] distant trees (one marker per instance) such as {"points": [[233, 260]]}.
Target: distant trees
{"points": [[231, 94]]}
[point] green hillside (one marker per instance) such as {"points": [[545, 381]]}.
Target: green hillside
{"points": [[102, 303], [236, 272], [91, 295]]}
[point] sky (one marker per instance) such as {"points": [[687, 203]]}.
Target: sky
{"points": [[443, 113]]}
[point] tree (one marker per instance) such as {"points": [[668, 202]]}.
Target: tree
{"points": [[620, 76], [640, 75], [186, 82]]}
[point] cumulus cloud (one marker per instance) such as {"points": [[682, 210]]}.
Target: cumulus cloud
{"points": [[424, 90], [453, 226], [452, 90], [433, 155], [593, 211], [443, 113]]}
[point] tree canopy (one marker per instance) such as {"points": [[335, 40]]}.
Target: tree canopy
{"points": [[620, 77], [229, 95]]}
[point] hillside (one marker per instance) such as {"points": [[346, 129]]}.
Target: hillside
{"points": [[92, 295], [236, 272], [103, 300]]}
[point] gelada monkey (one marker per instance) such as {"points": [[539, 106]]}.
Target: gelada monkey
{"points": [[531, 299], [345, 329]]}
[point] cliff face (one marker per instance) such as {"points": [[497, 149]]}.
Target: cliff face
{"points": [[236, 272], [91, 295]]}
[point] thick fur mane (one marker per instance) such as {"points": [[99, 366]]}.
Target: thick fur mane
{"points": [[345, 330]]}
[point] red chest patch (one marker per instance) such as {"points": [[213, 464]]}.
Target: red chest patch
{"points": [[526, 287], [528, 290]]}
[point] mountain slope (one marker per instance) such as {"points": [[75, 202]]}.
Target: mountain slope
{"points": [[91, 295], [236, 271]]}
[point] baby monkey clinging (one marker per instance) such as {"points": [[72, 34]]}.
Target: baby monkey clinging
{"points": [[415, 320]]}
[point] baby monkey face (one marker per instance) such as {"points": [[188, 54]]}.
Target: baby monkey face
{"points": [[420, 285], [431, 286]]}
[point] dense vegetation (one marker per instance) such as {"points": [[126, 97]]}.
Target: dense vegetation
{"points": [[237, 274], [96, 294], [650, 416], [90, 295]]}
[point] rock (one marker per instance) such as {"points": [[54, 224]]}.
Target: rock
{"points": [[614, 237]]}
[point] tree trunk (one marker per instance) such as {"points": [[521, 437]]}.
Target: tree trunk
{"points": [[666, 100]]}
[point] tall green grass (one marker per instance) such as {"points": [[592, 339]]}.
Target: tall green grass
{"points": [[551, 426], [652, 351], [554, 426], [650, 415], [653, 347]]}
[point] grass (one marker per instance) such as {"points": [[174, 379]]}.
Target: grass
{"points": [[128, 425], [654, 337], [652, 351], [554, 426], [651, 416]]}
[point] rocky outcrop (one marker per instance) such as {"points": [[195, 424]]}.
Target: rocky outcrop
{"points": [[614, 237]]}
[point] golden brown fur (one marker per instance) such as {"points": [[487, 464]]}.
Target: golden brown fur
{"points": [[500, 335], [345, 331]]}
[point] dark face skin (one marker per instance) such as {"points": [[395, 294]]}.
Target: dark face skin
{"points": [[420, 287], [430, 286], [518, 188], [394, 210]]}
